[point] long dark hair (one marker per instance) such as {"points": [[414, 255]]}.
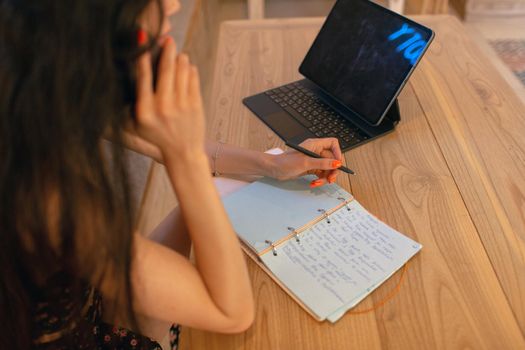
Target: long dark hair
{"points": [[65, 206]]}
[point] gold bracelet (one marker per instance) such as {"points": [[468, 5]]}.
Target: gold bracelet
{"points": [[215, 156]]}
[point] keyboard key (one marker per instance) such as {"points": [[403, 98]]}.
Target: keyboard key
{"points": [[312, 112], [353, 141]]}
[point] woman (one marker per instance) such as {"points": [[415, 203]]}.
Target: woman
{"points": [[66, 221]]}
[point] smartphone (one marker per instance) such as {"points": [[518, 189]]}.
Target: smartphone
{"points": [[156, 54], [128, 76]]}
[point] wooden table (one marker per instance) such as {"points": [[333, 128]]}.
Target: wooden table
{"points": [[452, 176]]}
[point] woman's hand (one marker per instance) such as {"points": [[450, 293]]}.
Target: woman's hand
{"points": [[171, 117], [134, 142], [292, 163]]}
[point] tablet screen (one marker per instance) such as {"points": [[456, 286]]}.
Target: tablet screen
{"points": [[363, 55]]}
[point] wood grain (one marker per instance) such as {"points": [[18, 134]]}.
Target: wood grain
{"points": [[479, 124], [417, 181]]}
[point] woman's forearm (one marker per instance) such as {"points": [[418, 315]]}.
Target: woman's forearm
{"points": [[216, 247], [235, 160], [223, 158]]}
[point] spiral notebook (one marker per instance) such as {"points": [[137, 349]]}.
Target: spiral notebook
{"points": [[320, 245]]}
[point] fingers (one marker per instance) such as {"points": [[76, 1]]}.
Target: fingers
{"points": [[319, 145], [144, 85], [324, 177], [331, 175], [166, 70], [194, 90], [330, 150], [323, 163], [335, 148], [182, 78], [317, 183], [165, 118], [324, 169], [177, 78]]}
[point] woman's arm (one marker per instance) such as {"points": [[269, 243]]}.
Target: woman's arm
{"points": [[234, 160], [215, 293]]}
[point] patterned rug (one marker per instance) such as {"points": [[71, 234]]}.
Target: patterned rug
{"points": [[512, 52]]}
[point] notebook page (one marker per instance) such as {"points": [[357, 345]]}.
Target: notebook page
{"points": [[335, 316], [266, 208], [339, 263]]}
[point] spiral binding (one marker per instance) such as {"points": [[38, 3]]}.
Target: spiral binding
{"points": [[294, 231], [296, 234], [345, 202], [274, 251], [325, 214]]}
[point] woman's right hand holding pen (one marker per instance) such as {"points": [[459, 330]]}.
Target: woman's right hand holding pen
{"points": [[292, 163]]}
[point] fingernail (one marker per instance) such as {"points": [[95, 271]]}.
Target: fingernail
{"points": [[316, 183], [142, 36], [336, 164], [168, 41]]}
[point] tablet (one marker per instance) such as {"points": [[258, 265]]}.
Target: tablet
{"points": [[363, 56]]}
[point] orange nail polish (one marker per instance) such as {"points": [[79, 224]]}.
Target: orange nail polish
{"points": [[336, 164], [316, 183], [169, 40], [142, 36]]}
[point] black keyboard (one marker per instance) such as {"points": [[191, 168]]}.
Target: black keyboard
{"points": [[314, 114]]}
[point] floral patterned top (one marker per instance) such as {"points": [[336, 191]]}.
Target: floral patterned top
{"points": [[55, 330]]}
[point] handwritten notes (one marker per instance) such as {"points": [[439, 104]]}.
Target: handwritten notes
{"points": [[336, 264], [266, 208]]}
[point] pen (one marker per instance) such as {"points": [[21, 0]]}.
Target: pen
{"points": [[314, 155]]}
